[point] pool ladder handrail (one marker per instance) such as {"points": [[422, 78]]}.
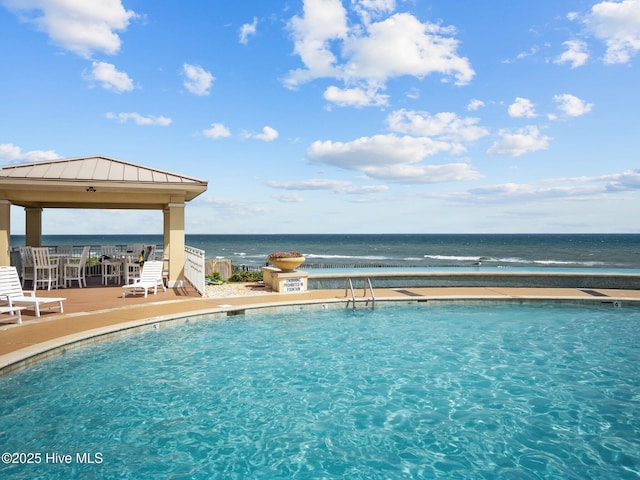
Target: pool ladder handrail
{"points": [[349, 286]]}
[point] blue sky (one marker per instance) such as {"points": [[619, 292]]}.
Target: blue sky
{"points": [[337, 116]]}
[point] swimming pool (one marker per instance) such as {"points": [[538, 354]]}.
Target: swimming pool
{"points": [[416, 391]]}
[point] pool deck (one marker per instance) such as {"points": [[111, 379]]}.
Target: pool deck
{"points": [[99, 312]]}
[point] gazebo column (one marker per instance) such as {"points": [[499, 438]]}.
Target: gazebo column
{"points": [[5, 232], [33, 228], [174, 242]]}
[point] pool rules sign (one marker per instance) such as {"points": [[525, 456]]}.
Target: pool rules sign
{"points": [[285, 282], [291, 285]]}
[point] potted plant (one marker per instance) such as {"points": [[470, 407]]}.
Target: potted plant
{"points": [[286, 261]]}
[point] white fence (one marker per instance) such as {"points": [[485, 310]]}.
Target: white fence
{"points": [[194, 268]]}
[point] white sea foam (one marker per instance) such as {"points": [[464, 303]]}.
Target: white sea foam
{"points": [[456, 258], [514, 260], [347, 257]]}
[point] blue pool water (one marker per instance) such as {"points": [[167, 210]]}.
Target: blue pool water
{"points": [[411, 392]]}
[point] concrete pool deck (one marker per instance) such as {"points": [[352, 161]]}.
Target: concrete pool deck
{"points": [[95, 313]]}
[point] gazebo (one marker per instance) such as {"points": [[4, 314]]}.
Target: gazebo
{"points": [[97, 183]]}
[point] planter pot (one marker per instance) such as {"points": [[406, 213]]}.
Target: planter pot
{"points": [[288, 264]]}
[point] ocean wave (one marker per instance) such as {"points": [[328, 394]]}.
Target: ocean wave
{"points": [[557, 262], [347, 257], [457, 258], [514, 260], [259, 258]]}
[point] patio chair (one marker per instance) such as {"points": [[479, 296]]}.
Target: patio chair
{"points": [[11, 292], [45, 268], [26, 264], [111, 266], [74, 269], [150, 279]]}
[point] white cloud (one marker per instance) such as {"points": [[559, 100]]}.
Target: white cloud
{"points": [[109, 77], [288, 198], [392, 158], [377, 150], [336, 186], [198, 80], [525, 140], [616, 182], [532, 51], [139, 119], [443, 125], [13, 154], [571, 105], [368, 54], [313, 184], [576, 53], [512, 192], [402, 45], [522, 107], [247, 30], [551, 189], [413, 94], [419, 174], [626, 181], [474, 105], [323, 21], [226, 208], [355, 97], [371, 9], [217, 130], [618, 25], [268, 134], [82, 27], [366, 189]]}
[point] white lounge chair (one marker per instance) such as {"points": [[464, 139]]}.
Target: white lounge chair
{"points": [[150, 279], [11, 292], [15, 313]]}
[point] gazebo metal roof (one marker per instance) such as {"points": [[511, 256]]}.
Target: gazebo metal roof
{"points": [[95, 182]]}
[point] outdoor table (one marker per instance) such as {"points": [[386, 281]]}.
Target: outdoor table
{"points": [[131, 268]]}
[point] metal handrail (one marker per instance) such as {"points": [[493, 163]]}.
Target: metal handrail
{"points": [[373, 296], [349, 285]]}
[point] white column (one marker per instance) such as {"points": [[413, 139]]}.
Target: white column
{"points": [[174, 242], [33, 228]]}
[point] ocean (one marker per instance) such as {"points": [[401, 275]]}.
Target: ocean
{"points": [[593, 251]]}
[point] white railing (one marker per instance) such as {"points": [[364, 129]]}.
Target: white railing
{"points": [[194, 268]]}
